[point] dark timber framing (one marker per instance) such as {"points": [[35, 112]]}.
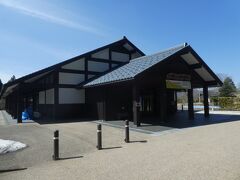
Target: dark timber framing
{"points": [[168, 65], [163, 100], [28, 86], [59, 91], [136, 104], [19, 105], [48, 69], [205, 101], [56, 93], [190, 104]]}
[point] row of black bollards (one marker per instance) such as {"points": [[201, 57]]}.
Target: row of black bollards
{"points": [[99, 134], [99, 139]]}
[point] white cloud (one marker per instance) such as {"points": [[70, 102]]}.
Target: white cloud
{"points": [[46, 16]]}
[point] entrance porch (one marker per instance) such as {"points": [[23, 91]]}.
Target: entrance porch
{"points": [[151, 105], [144, 90]]}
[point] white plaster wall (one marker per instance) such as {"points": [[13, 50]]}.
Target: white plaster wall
{"points": [[97, 66], [70, 78], [76, 65], [117, 56], [41, 97], [50, 96], [104, 54], [71, 96]]}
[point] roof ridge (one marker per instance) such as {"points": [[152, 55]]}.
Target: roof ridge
{"points": [[163, 51]]}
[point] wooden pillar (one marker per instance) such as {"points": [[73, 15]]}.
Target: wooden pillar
{"points": [[86, 67], [110, 58], [14, 104], [105, 93], [205, 101], [136, 105], [163, 105], [56, 95], [163, 99], [19, 105], [101, 104], [190, 104]]}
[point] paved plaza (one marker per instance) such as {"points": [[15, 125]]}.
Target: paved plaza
{"points": [[208, 151]]}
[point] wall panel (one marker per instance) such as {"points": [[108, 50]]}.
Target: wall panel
{"points": [[71, 96], [76, 65], [41, 96], [97, 66], [70, 78], [50, 96], [104, 54], [117, 56]]}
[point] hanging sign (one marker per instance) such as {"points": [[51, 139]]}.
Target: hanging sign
{"points": [[173, 84]]}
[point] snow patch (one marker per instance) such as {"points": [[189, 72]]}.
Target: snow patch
{"points": [[10, 146]]}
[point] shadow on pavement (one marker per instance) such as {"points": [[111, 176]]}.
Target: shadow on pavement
{"points": [[66, 158], [179, 120], [107, 148], [142, 141], [59, 121], [11, 170]]}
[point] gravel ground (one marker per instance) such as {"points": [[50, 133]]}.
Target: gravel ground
{"points": [[205, 152]]}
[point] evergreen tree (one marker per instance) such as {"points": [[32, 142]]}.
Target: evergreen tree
{"points": [[1, 85], [228, 89]]}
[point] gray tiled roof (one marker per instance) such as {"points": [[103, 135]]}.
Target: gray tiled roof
{"points": [[134, 67]]}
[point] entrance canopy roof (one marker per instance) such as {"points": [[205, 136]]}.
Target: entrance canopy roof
{"points": [[139, 65]]}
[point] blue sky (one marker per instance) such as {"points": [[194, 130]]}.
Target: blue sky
{"points": [[35, 34]]}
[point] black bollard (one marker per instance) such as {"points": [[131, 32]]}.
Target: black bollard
{"points": [[126, 131], [56, 145], [99, 136], [182, 107]]}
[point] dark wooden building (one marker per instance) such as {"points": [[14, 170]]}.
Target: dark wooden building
{"points": [[117, 81]]}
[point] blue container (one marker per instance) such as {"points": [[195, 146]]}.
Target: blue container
{"points": [[25, 115]]}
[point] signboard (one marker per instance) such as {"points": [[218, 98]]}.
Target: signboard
{"points": [[173, 84]]}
